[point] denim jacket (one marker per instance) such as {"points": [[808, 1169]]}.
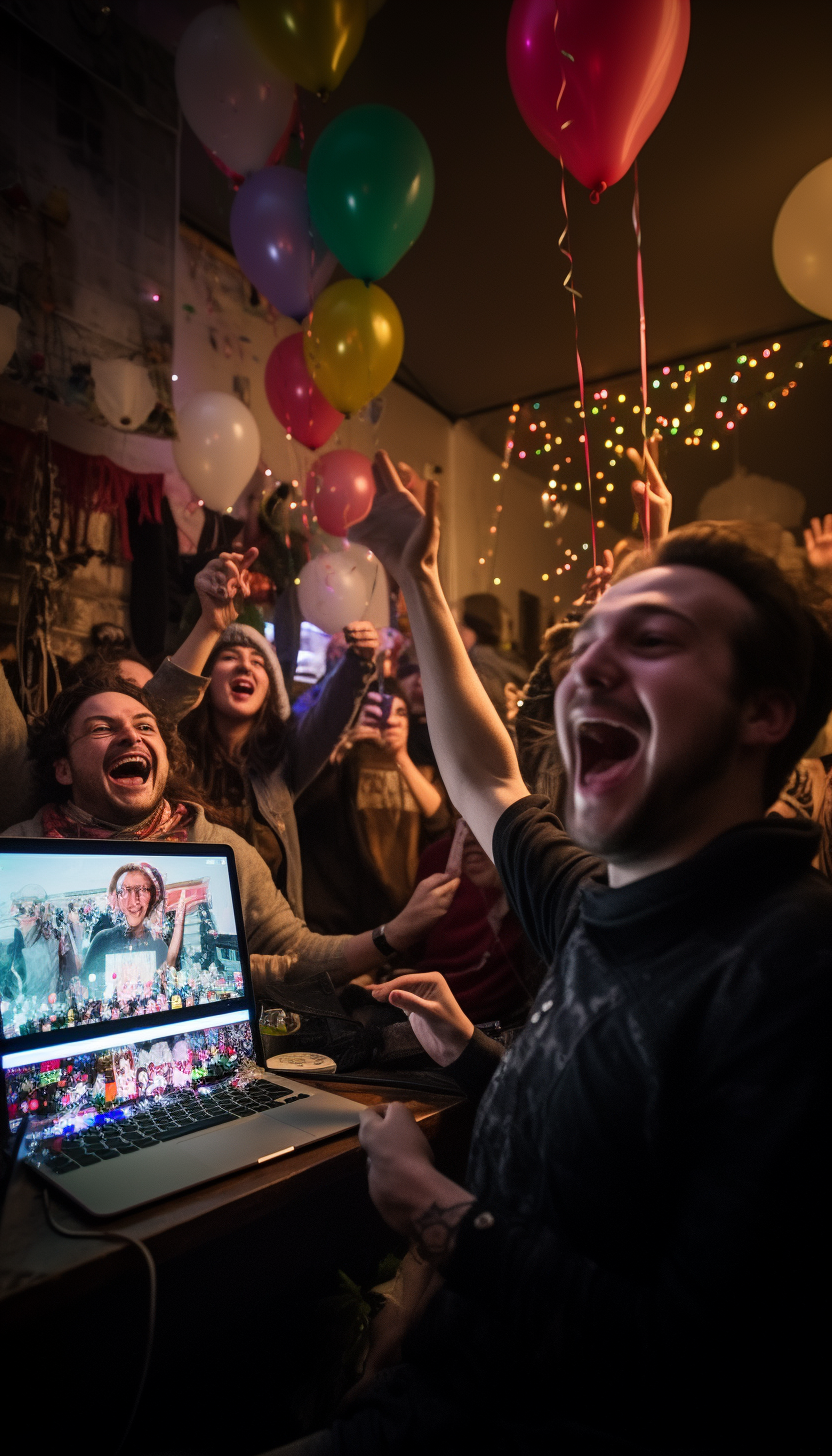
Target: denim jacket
{"points": [[309, 741]]}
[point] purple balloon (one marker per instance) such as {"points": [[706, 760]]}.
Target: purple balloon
{"points": [[275, 243]]}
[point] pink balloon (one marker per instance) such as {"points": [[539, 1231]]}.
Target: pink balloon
{"points": [[620, 61], [342, 490], [295, 397]]}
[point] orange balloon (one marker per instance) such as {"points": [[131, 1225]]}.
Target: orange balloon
{"points": [[353, 343]]}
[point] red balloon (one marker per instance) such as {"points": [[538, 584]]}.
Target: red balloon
{"points": [[342, 490], [618, 61], [295, 397]]}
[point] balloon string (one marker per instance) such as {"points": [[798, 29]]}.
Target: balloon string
{"points": [[642, 335], [575, 295]]}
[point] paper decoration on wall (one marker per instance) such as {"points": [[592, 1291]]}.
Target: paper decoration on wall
{"points": [[123, 392]]}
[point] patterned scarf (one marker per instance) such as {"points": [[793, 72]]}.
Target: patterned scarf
{"points": [[67, 821]]}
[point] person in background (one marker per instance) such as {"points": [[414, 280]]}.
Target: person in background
{"points": [[111, 647], [409, 679], [480, 632], [250, 755], [479, 946], [364, 821], [807, 794]]}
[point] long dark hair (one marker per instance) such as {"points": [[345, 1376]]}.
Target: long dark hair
{"points": [[220, 778]]}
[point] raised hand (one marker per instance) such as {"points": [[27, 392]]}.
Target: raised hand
{"points": [[818, 538], [597, 581], [362, 637], [224, 578], [403, 536], [660, 499], [435, 1015]]}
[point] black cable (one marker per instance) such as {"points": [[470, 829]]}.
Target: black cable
{"points": [[128, 1239]]}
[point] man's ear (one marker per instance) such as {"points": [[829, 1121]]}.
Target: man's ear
{"points": [[63, 772], [768, 718]]}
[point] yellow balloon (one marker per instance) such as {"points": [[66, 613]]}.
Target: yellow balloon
{"points": [[353, 343], [312, 41]]}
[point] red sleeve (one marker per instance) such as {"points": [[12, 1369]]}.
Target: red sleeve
{"points": [[434, 858]]}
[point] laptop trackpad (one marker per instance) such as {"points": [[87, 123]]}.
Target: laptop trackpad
{"points": [[239, 1144], [315, 1117]]}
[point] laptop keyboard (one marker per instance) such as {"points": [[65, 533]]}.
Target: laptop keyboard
{"points": [[155, 1122]]}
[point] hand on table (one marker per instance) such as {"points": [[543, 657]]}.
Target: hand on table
{"points": [[218, 583], [436, 1017]]}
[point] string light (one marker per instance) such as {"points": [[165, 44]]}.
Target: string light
{"points": [[766, 395]]}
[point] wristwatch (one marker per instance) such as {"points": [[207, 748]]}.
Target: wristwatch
{"points": [[381, 942]]}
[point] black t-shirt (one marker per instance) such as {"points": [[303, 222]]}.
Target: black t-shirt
{"points": [[118, 942], [650, 1150]]}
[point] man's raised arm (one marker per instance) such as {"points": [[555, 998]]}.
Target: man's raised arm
{"points": [[474, 753]]}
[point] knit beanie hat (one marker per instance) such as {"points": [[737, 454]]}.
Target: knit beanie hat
{"points": [[240, 635]]}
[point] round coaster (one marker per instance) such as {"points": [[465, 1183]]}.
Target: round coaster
{"points": [[301, 1062]]}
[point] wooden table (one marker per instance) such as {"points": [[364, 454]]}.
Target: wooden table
{"points": [[232, 1257]]}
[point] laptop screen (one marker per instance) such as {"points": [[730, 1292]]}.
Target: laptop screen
{"points": [[114, 933], [66, 1086]]}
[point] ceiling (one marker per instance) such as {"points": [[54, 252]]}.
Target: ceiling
{"points": [[486, 317]]}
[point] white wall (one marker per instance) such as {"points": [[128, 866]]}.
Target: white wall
{"points": [[525, 550]]}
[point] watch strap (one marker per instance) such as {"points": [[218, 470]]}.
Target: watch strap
{"points": [[381, 942]]}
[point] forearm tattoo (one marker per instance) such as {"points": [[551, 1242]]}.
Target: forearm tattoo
{"points": [[434, 1231]]}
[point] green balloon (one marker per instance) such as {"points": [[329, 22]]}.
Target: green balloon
{"points": [[370, 188]]}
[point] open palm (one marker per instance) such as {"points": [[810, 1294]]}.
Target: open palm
{"points": [[398, 531]]}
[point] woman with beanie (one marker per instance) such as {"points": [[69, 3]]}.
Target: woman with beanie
{"points": [[250, 756]]}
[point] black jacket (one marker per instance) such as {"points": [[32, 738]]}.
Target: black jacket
{"points": [[651, 1153]]}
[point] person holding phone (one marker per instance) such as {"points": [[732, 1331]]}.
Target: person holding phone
{"points": [[365, 821]]}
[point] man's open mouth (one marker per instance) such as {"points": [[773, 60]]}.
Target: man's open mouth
{"points": [[606, 752], [130, 771]]}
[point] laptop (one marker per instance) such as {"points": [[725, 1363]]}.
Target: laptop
{"points": [[129, 1027]]}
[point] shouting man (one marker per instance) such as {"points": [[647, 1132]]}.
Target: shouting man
{"points": [[633, 1264]]}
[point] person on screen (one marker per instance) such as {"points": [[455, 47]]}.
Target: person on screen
{"points": [[134, 893], [125, 1073]]}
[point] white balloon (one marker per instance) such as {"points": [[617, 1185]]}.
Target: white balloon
{"points": [[238, 104], [123, 392], [218, 447], [9, 320], [802, 241], [745, 497], [341, 586]]}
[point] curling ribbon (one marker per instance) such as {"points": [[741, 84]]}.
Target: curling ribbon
{"points": [[642, 334], [575, 295]]}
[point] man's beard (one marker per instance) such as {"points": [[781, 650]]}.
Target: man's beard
{"points": [[670, 805], [122, 816]]}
